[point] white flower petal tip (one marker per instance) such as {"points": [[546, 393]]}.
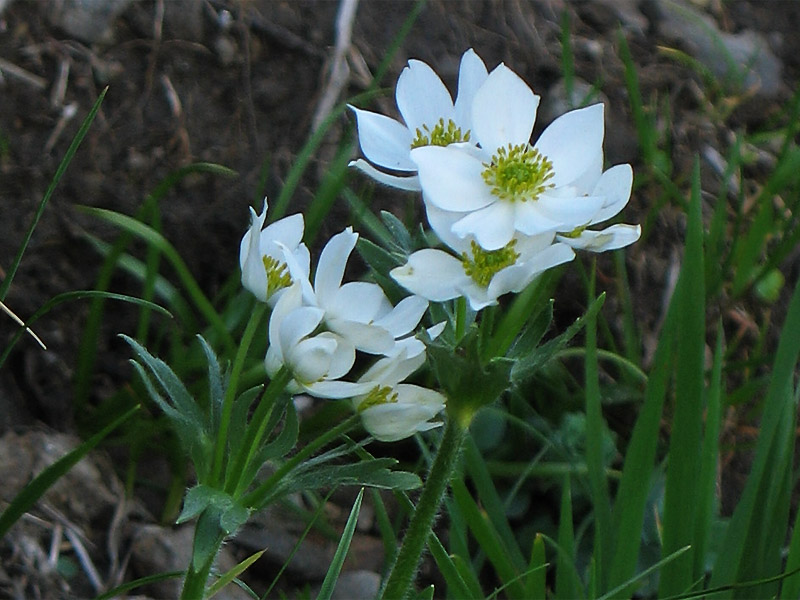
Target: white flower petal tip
{"points": [[611, 238], [409, 183]]}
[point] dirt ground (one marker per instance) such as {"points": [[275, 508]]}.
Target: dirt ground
{"points": [[238, 83]]}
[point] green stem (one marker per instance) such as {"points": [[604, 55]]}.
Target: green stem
{"points": [[194, 585], [230, 392], [401, 577]]}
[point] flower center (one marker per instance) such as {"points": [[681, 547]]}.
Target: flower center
{"points": [[379, 395], [484, 264], [518, 173], [442, 134], [277, 275]]}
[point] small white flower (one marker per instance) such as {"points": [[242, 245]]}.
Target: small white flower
{"points": [[317, 361], [506, 185], [391, 410], [430, 117], [262, 255], [615, 186], [359, 311], [482, 276]]}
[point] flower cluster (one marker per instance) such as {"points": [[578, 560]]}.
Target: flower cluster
{"points": [[507, 209], [316, 331]]}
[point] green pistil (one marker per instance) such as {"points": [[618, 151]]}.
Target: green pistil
{"points": [[440, 135], [518, 173], [277, 275], [484, 264], [379, 395]]}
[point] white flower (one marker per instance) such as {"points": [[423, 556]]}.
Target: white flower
{"points": [[316, 361], [391, 410], [262, 255], [359, 311], [506, 185], [430, 117], [615, 186], [480, 275]]}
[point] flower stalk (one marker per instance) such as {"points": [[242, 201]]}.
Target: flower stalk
{"points": [[400, 580]]}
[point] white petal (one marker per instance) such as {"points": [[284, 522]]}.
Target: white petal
{"points": [[299, 323], [442, 221], [517, 277], [310, 359], [254, 275], [432, 274], [395, 421], [359, 301], [331, 264], [529, 220], [471, 75], [492, 226], [393, 369], [383, 140], [343, 357], [421, 96], [288, 231], [611, 238], [404, 317], [451, 179], [615, 186], [410, 183], [572, 142], [366, 337], [503, 110], [570, 211], [290, 300], [336, 389]]}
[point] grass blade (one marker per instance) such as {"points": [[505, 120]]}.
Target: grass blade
{"points": [[152, 237], [326, 591], [232, 574], [536, 579], [567, 583], [682, 492], [62, 167]]}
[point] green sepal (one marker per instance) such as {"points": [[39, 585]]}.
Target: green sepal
{"points": [[468, 383]]}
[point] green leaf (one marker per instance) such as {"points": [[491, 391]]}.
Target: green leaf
{"points": [[121, 590], [681, 496], [399, 232], [527, 364], [567, 583], [69, 297], [207, 538], [532, 334], [328, 584], [28, 496], [536, 579], [232, 574], [216, 385], [154, 238]]}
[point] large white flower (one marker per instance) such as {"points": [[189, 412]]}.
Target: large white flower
{"points": [[507, 185], [429, 115], [359, 311], [262, 255], [316, 361], [392, 410], [482, 276]]}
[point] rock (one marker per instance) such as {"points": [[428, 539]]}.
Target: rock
{"points": [[357, 585], [87, 20], [743, 61], [156, 549]]}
